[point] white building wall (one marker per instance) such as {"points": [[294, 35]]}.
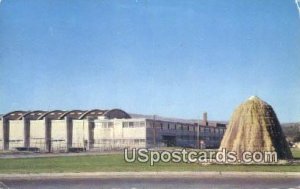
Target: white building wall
{"points": [[118, 129], [16, 134], [111, 134], [58, 135], [37, 134], [103, 135], [134, 133], [80, 133]]}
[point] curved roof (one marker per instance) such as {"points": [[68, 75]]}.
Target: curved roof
{"points": [[75, 114], [94, 113], [14, 114], [59, 114], [116, 113], [32, 114], [52, 114]]}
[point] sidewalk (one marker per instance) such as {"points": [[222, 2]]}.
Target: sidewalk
{"points": [[130, 175]]}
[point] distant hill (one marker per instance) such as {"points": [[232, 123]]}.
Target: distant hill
{"points": [[290, 124]]}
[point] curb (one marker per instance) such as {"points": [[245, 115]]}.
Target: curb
{"points": [[145, 175]]}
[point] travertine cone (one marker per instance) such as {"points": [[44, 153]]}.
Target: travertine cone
{"points": [[254, 127]]}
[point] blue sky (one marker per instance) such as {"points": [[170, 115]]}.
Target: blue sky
{"points": [[171, 58]]}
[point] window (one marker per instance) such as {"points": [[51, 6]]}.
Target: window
{"points": [[125, 124], [134, 124], [173, 126], [165, 127], [104, 124], [185, 127]]}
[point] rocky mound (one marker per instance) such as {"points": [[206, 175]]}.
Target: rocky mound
{"points": [[254, 127]]}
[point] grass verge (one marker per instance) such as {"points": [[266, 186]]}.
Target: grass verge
{"points": [[116, 163]]}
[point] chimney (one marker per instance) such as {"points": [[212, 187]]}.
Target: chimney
{"points": [[204, 120]]}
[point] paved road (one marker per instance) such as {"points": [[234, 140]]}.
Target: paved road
{"points": [[139, 183]]}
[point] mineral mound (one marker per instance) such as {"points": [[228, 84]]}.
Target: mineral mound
{"points": [[254, 127]]}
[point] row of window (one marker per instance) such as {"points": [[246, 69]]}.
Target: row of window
{"points": [[104, 125], [211, 130], [134, 124], [190, 128], [115, 141], [176, 127], [130, 124], [193, 137]]}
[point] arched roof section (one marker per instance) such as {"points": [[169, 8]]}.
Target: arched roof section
{"points": [[14, 115], [52, 114], [116, 113], [33, 115], [75, 114], [93, 113]]}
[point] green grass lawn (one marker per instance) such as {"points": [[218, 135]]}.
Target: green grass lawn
{"points": [[296, 153], [115, 162]]}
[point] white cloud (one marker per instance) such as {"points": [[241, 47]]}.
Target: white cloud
{"points": [[298, 5]]}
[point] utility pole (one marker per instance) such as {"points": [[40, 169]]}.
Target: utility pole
{"points": [[197, 135], [154, 131]]}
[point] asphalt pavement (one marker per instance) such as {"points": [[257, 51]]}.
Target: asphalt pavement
{"points": [[159, 183]]}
